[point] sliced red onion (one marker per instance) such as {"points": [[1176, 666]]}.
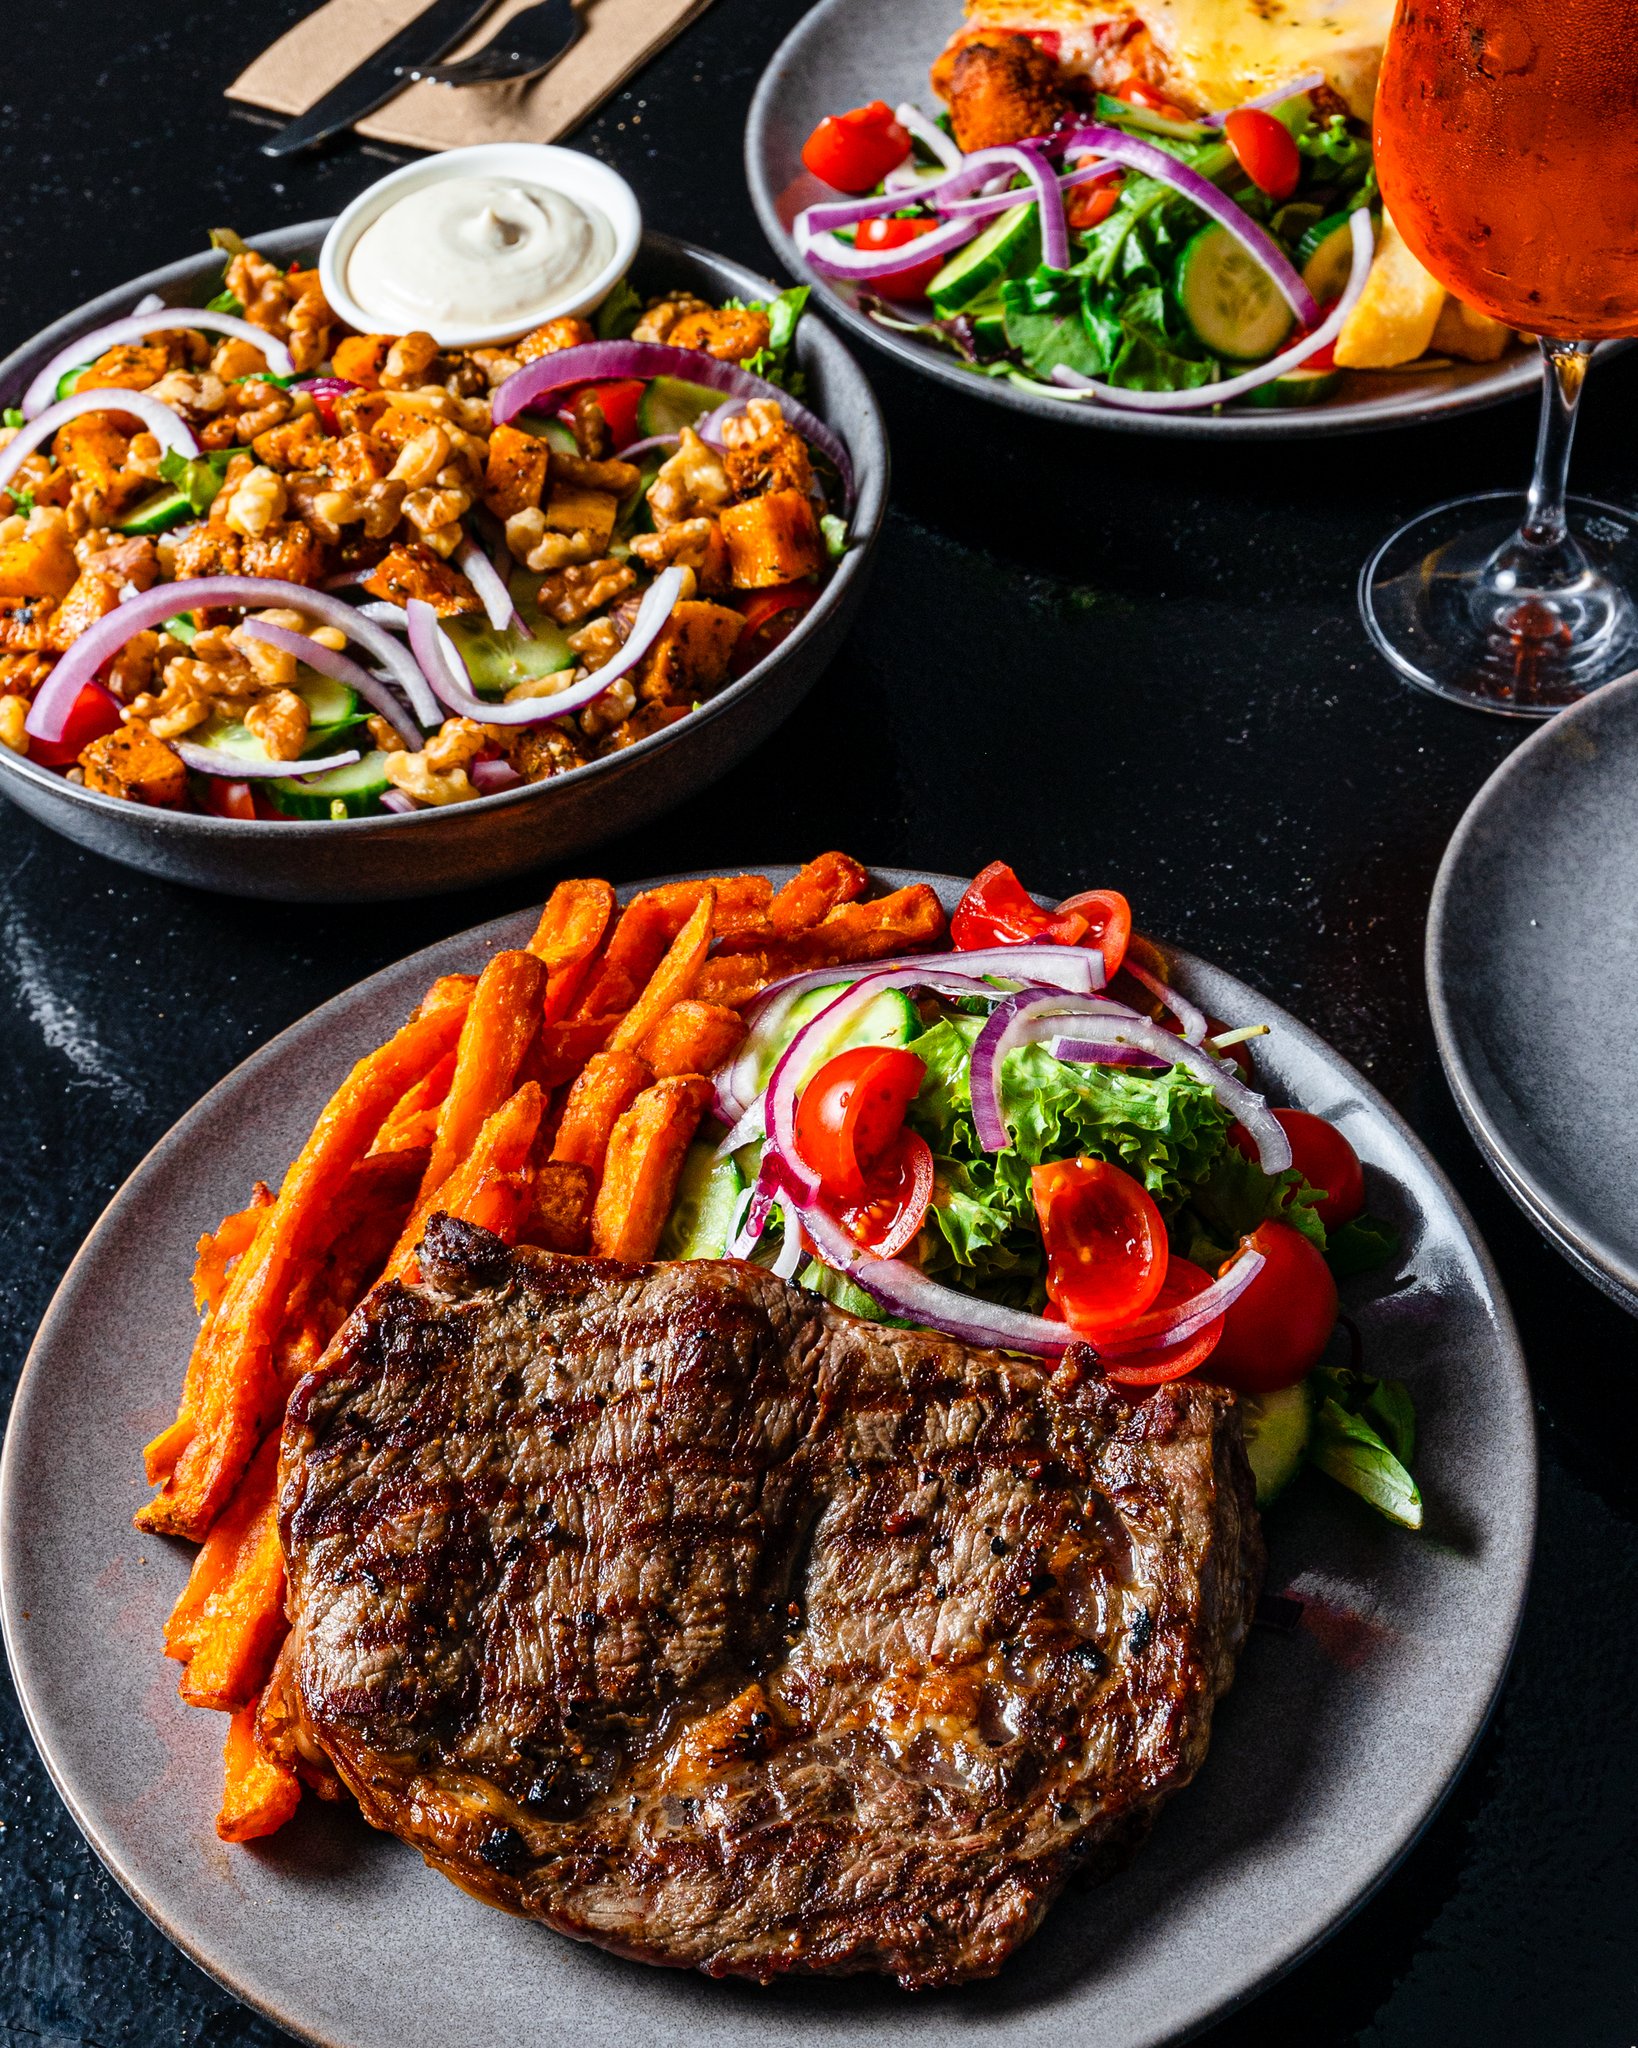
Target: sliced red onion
{"points": [[1018, 1020], [831, 258], [792, 1252], [493, 594], [136, 327], [654, 441], [326, 387], [101, 641], [447, 673], [1207, 395], [1165, 1329], [1086, 1052], [378, 695], [599, 360], [1192, 1020], [218, 761], [489, 778], [380, 613], [710, 428], [1276, 97], [1115, 146], [928, 133], [988, 205], [150, 302], [167, 427], [397, 800]]}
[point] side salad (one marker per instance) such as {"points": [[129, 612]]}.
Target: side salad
{"points": [[1032, 1141]]}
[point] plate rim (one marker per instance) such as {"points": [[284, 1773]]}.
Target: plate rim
{"points": [[233, 1978], [1591, 1255]]}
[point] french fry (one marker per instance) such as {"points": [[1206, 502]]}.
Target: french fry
{"points": [[241, 1626], [414, 1117], [741, 899], [898, 922], [563, 1049], [233, 1390], [492, 1186], [500, 1026], [814, 891], [258, 1794], [1462, 330], [224, 1551], [604, 1090], [633, 952], [644, 1163], [1396, 314], [218, 1248], [738, 978], [693, 1038], [571, 928], [448, 992], [367, 1220], [561, 1217], [672, 980]]}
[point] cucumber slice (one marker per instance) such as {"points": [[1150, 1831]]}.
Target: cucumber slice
{"points": [[892, 1019], [1123, 114], [672, 403], [155, 514], [544, 428], [497, 661], [1008, 247], [68, 379], [329, 703], [702, 1211], [1326, 257], [357, 788], [1277, 1428], [1229, 299], [1296, 387]]}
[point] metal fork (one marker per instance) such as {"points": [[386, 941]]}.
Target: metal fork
{"points": [[527, 45]]}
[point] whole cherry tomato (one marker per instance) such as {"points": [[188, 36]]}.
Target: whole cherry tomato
{"points": [[1183, 1281], [1108, 918], [1268, 155], [95, 711], [854, 151], [998, 910], [1105, 1243], [894, 1206], [851, 1113], [892, 233], [1324, 1158], [1274, 1333]]}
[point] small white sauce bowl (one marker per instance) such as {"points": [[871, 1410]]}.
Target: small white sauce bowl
{"points": [[578, 177]]}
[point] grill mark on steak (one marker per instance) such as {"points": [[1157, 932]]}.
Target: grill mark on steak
{"points": [[697, 1619]]}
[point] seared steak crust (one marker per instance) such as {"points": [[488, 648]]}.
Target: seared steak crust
{"points": [[697, 1619]]}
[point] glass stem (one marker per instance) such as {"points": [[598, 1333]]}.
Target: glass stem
{"points": [[1565, 363]]}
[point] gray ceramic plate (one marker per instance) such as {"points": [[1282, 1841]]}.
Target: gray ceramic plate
{"points": [[1332, 1752], [463, 845], [845, 52], [1532, 965]]}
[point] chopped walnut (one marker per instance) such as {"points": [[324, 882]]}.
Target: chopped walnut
{"points": [[604, 713], [529, 542], [385, 737], [131, 671], [551, 339], [689, 483], [573, 594], [437, 774], [591, 429], [200, 394], [257, 407], [496, 365], [280, 721], [408, 362], [13, 711], [273, 667], [597, 644], [421, 458], [661, 315], [687, 545], [256, 504]]}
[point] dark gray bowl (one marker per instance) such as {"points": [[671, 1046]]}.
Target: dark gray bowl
{"points": [[428, 852]]}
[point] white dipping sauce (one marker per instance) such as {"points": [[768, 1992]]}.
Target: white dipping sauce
{"points": [[476, 252]]}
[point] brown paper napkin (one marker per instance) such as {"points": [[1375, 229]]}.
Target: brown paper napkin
{"points": [[319, 52]]}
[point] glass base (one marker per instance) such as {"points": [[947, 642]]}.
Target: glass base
{"points": [[1450, 600]]}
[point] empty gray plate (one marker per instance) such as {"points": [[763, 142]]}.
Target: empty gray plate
{"points": [[843, 53], [1332, 1752], [1532, 965]]}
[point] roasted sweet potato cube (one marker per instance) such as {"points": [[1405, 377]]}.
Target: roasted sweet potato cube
{"points": [[355, 459], [25, 624], [412, 571], [289, 551], [515, 476], [295, 444], [93, 448], [132, 762], [691, 656], [93, 597], [39, 563], [361, 356], [773, 539], [206, 550], [574, 509], [127, 366]]}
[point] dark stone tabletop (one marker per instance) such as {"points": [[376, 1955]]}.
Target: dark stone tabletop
{"points": [[1105, 660]]}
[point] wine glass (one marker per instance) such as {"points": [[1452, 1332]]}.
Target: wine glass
{"points": [[1507, 149]]}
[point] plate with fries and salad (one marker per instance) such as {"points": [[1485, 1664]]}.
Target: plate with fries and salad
{"points": [[933, 1103]]}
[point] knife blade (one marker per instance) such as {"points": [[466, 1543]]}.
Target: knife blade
{"points": [[432, 34]]}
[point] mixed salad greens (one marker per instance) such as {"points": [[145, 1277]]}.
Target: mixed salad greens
{"points": [[1142, 258], [1032, 1141]]}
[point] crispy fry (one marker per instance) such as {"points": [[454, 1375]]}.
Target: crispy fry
{"points": [[233, 1390], [500, 1026], [899, 922], [693, 1038], [564, 1049], [278, 1731], [366, 1222], [604, 1090], [814, 891], [741, 899], [414, 1117], [492, 1185], [218, 1248], [448, 992], [561, 1217], [240, 1627], [258, 1794], [633, 952], [645, 1161], [572, 927], [224, 1551], [738, 978], [672, 980]]}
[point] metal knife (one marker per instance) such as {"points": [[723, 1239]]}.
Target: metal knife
{"points": [[432, 34]]}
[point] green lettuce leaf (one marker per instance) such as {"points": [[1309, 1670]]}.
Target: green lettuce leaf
{"points": [[1232, 1197], [11, 417], [199, 478], [1364, 1437], [1361, 1246], [619, 313]]}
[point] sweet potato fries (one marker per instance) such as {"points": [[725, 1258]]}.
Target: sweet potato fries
{"points": [[550, 1098]]}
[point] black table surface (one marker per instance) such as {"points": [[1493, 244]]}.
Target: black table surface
{"points": [[1103, 659]]}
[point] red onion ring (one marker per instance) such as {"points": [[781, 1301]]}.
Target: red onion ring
{"points": [[486, 580], [1087, 1052], [1192, 1020], [489, 778], [378, 695], [381, 613], [1206, 395], [397, 800], [596, 361], [167, 427], [218, 761], [1277, 97], [1015, 1021], [831, 258], [136, 327], [928, 133]]}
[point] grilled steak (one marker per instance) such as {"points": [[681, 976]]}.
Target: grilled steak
{"points": [[697, 1619]]}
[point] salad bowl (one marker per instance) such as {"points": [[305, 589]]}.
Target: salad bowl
{"points": [[464, 845]]}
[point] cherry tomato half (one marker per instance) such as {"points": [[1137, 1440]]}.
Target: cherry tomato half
{"points": [[1086, 205], [998, 910], [1322, 358], [770, 617], [1183, 1281], [1324, 1158], [95, 711], [855, 151], [225, 799], [1268, 155], [852, 1111], [1138, 94], [1108, 918], [617, 401], [894, 1206], [1105, 1243], [1274, 1333], [912, 281]]}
